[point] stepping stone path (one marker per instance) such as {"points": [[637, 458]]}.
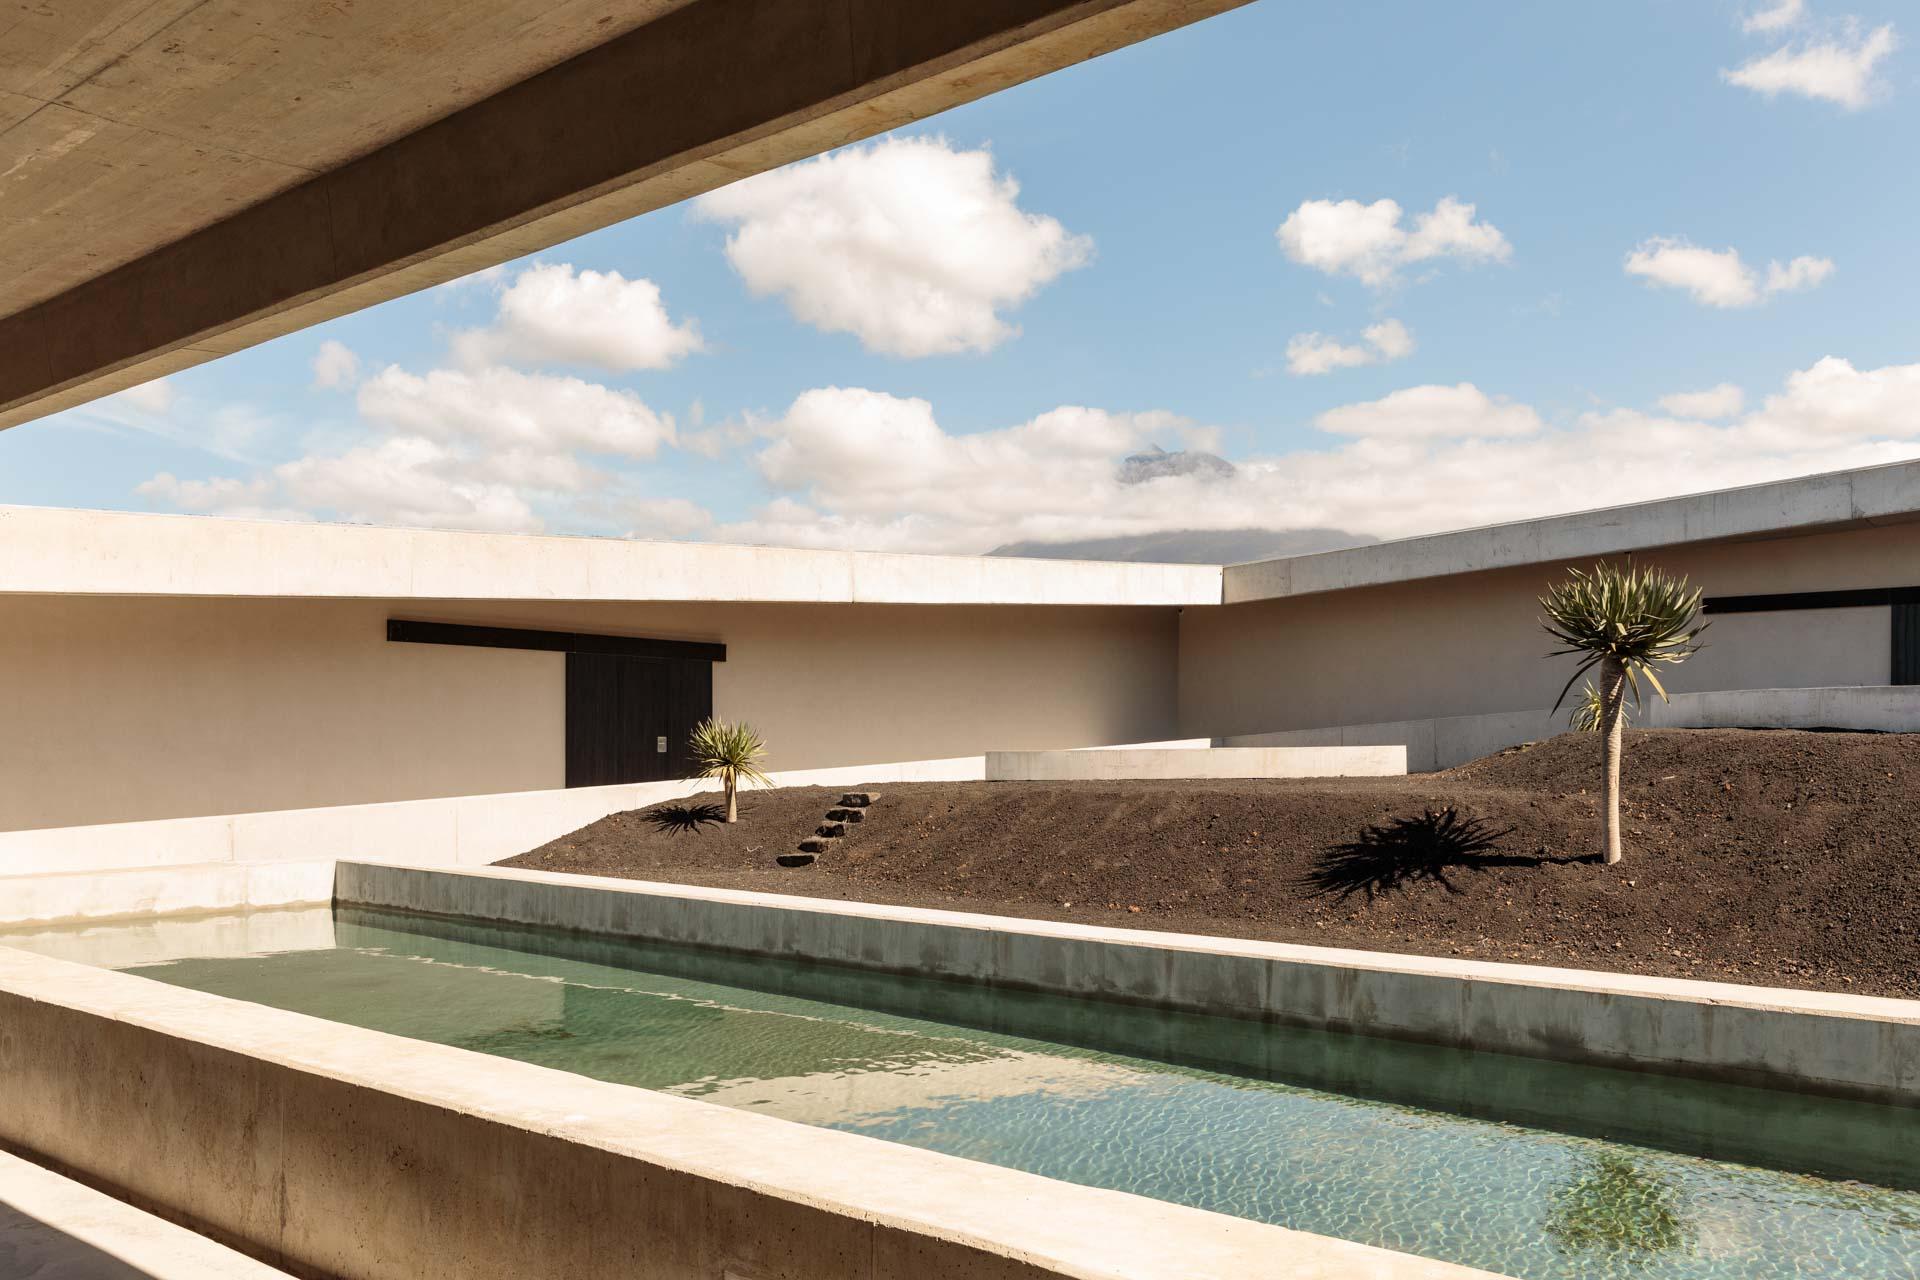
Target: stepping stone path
{"points": [[851, 809]]}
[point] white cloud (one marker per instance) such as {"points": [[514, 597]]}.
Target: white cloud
{"points": [[1370, 243], [667, 518], [1432, 412], [248, 499], [1722, 401], [914, 247], [506, 409], [1838, 70], [408, 480], [1801, 273], [484, 446], [552, 314], [1423, 459], [1315, 353], [1784, 14], [1718, 277], [335, 366], [453, 448], [1833, 401], [148, 397]]}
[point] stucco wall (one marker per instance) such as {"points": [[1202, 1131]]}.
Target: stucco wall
{"points": [[120, 709], [1471, 644]]}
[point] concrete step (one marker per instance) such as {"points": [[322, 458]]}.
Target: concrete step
{"points": [[53, 1228], [858, 799]]}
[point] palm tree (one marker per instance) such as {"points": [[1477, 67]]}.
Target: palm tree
{"points": [[729, 752], [1589, 710], [1624, 622]]}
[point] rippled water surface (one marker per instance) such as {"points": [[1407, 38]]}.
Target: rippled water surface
{"points": [[1530, 1169]]}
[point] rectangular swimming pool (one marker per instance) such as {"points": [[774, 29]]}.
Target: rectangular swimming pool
{"points": [[1533, 1169]]}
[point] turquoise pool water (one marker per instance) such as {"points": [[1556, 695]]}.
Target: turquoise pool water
{"points": [[1532, 1169]]}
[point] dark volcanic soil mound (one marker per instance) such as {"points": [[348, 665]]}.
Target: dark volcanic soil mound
{"points": [[1776, 858]]}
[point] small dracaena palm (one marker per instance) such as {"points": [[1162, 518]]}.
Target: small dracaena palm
{"points": [[1623, 622], [1588, 712], [731, 753]]}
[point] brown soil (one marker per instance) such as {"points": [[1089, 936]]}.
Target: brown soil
{"points": [[1773, 858]]}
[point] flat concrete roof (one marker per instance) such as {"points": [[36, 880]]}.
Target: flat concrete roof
{"points": [[51, 551], [184, 179], [56, 551], [1887, 494]]}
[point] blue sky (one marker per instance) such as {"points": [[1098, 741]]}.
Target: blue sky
{"points": [[900, 350]]}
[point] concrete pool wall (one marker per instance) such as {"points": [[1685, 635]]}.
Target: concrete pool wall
{"points": [[333, 1151], [1857, 1047]]}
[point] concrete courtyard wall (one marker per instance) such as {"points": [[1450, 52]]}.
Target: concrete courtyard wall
{"points": [[1471, 644], [124, 709]]}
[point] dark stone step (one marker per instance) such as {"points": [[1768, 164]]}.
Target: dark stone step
{"points": [[832, 830], [795, 859], [858, 799], [846, 815], [815, 844]]}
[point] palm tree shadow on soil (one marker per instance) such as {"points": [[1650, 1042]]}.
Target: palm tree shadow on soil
{"points": [[687, 818], [1405, 851]]}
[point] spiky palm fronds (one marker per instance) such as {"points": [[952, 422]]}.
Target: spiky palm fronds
{"points": [[731, 753], [1640, 618], [1589, 713]]}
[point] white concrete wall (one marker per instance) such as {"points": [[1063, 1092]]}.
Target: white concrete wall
{"points": [[1847, 1046], [1868, 496], [1451, 740], [449, 831], [124, 709], [1237, 761], [52, 550], [1471, 645]]}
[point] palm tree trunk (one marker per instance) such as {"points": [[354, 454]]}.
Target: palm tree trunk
{"points": [[733, 791], [1613, 708]]}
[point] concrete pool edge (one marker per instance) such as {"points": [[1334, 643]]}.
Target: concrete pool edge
{"points": [[335, 1151], [1858, 1047]]}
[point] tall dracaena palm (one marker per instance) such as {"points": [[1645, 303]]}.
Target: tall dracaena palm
{"points": [[1623, 622], [731, 753]]}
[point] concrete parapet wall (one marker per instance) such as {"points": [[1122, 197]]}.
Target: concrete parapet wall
{"points": [[1193, 762], [332, 1151], [1446, 741], [453, 831], [197, 888], [52, 1228], [1842, 1046]]}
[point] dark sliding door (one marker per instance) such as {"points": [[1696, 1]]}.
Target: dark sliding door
{"points": [[628, 718], [1906, 642]]}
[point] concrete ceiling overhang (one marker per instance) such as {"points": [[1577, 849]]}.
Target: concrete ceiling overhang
{"points": [[181, 179]]}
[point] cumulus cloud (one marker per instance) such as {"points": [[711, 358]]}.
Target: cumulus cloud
{"points": [[910, 244], [1778, 17], [506, 409], [1719, 277], [451, 448], [335, 366], [1372, 243], [1417, 461], [1432, 412], [553, 314], [1309, 354], [1840, 69], [483, 445], [1722, 401], [148, 397]]}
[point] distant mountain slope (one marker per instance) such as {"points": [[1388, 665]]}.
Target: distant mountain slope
{"points": [[1191, 546]]}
